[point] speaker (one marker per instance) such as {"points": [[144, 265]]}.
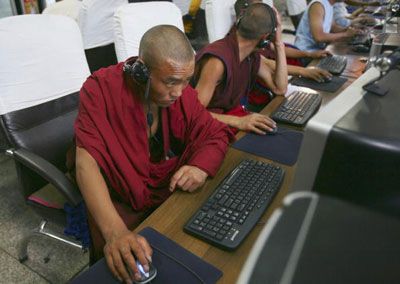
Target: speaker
{"points": [[138, 71]]}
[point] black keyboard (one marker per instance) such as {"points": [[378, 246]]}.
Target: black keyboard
{"points": [[297, 108], [335, 64], [236, 205]]}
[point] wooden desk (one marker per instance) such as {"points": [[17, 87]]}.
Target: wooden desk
{"points": [[171, 216]]}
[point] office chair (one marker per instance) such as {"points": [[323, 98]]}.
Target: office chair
{"points": [[69, 8], [220, 17], [96, 22], [183, 5], [134, 19], [42, 67]]}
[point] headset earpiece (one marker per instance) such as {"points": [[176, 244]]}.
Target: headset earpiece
{"points": [[266, 41], [138, 71], [263, 43]]}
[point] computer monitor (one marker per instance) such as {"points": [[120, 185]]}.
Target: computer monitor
{"points": [[317, 239], [351, 148]]}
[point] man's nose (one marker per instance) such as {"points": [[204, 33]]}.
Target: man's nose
{"points": [[176, 92]]}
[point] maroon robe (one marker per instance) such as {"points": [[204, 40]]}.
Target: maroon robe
{"points": [[239, 76], [111, 125]]}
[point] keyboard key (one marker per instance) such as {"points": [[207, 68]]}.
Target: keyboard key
{"points": [[335, 64], [241, 203], [303, 105]]}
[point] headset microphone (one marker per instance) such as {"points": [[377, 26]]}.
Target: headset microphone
{"points": [[149, 117]]}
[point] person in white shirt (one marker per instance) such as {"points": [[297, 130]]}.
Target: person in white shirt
{"points": [[317, 27], [344, 19]]}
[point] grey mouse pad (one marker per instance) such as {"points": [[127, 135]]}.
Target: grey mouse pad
{"points": [[174, 264], [282, 147], [330, 87]]}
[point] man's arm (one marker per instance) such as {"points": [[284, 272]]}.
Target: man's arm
{"points": [[316, 19], [314, 73], [277, 79], [119, 240], [210, 76], [297, 53]]}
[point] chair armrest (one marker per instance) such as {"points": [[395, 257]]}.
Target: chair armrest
{"points": [[49, 172]]}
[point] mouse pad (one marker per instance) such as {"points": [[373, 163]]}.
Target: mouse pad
{"points": [[282, 147], [331, 86], [174, 264]]}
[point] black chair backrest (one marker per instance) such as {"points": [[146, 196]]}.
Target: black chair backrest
{"points": [[46, 130]]}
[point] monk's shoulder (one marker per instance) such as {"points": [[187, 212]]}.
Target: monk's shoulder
{"points": [[104, 80]]}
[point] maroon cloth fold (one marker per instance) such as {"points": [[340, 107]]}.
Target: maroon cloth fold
{"points": [[239, 76], [111, 126]]}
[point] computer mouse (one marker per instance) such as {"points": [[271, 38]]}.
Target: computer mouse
{"points": [[360, 48], [273, 131], [327, 79], [145, 276]]}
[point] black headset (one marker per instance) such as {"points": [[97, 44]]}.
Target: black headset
{"points": [[263, 43], [139, 72]]}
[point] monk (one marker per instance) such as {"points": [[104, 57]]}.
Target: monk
{"points": [[226, 69], [294, 56], [141, 134]]}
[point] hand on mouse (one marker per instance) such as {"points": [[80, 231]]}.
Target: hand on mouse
{"points": [[316, 74], [122, 245], [255, 122], [351, 32]]}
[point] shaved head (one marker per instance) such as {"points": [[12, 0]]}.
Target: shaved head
{"points": [[256, 21], [165, 42]]}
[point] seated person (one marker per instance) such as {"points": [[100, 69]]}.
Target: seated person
{"points": [[314, 73], [344, 19], [291, 53], [141, 133], [226, 69], [317, 28]]}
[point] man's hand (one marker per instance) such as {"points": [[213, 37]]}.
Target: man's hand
{"points": [[351, 32], [188, 178], [319, 54], [119, 251], [256, 122], [278, 34], [315, 73]]}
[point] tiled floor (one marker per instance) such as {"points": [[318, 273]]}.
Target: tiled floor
{"points": [[16, 221]]}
